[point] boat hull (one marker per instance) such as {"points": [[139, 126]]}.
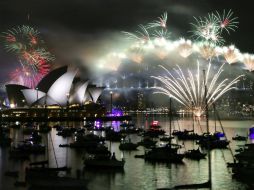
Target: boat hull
{"points": [[104, 164]]}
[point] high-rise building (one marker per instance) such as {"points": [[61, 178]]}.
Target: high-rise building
{"points": [[141, 105]]}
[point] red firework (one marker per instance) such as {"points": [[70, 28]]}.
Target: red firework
{"points": [[224, 23], [34, 59], [33, 39], [227, 21], [28, 76], [10, 38]]}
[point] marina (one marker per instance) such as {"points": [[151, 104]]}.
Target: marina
{"points": [[154, 175]]}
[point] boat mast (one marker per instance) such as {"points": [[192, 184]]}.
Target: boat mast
{"points": [[207, 126], [192, 107], [214, 109], [170, 118]]}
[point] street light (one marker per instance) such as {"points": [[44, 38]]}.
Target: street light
{"points": [[111, 102], [67, 108], [23, 103]]}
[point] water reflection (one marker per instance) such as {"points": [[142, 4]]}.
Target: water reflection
{"points": [[137, 174], [116, 125]]}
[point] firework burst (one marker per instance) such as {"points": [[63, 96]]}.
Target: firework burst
{"points": [[141, 36], [248, 61], [210, 28], [114, 59], [21, 38], [189, 89], [153, 38], [29, 77], [161, 34], [207, 50], [231, 54], [227, 21], [206, 29], [25, 42], [161, 22], [184, 47]]}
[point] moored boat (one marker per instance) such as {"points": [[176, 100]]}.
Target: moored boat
{"points": [[167, 153], [128, 145], [194, 154], [239, 138], [104, 162], [147, 142]]}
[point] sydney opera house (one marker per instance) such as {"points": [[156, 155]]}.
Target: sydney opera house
{"points": [[61, 89]]}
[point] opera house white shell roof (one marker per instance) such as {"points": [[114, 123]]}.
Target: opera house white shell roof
{"points": [[32, 95], [79, 95], [61, 92], [60, 89]]}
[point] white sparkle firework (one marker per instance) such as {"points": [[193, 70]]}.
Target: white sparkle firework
{"points": [[154, 38], [184, 47], [161, 22], [189, 90], [161, 34], [248, 60], [231, 54], [210, 28], [207, 50], [141, 36], [207, 29], [111, 61]]}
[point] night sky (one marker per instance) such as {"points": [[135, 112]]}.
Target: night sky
{"points": [[79, 30]]}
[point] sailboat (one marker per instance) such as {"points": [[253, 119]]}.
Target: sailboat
{"points": [[41, 168], [215, 140], [128, 145], [45, 177], [167, 153], [194, 154], [103, 159], [187, 134]]}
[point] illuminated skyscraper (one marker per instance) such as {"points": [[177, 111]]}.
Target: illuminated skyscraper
{"points": [[140, 96]]}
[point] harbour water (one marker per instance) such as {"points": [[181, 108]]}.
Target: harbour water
{"points": [[137, 174]]}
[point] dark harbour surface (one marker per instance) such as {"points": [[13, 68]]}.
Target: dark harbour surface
{"points": [[137, 173]]}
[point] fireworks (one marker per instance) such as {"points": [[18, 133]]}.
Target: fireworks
{"points": [[25, 42], [184, 47], [153, 31], [153, 38], [189, 89], [248, 61], [231, 54], [114, 59], [206, 29], [27, 76], [227, 21], [161, 22], [20, 38], [207, 32], [141, 36], [161, 34], [207, 50], [210, 28], [135, 57]]}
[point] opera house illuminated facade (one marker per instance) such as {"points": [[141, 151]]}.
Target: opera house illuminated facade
{"points": [[57, 91]]}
